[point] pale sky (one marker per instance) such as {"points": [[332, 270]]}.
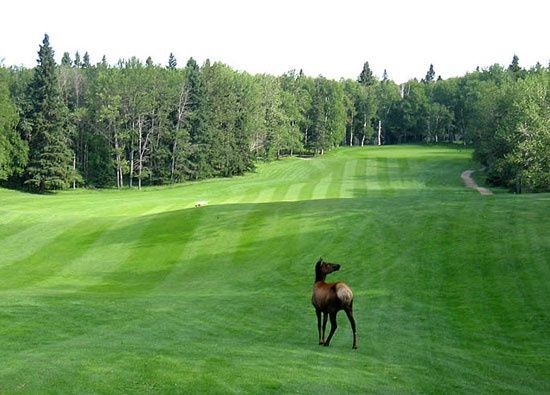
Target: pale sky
{"points": [[330, 38]]}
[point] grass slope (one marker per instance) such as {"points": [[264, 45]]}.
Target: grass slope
{"points": [[138, 291]]}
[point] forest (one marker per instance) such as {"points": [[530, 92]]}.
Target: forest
{"points": [[78, 124]]}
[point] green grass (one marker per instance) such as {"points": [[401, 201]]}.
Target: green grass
{"points": [[139, 291]]}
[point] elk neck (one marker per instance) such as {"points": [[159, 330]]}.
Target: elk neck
{"points": [[320, 276]]}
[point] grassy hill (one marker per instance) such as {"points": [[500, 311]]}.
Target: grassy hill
{"points": [[139, 291]]}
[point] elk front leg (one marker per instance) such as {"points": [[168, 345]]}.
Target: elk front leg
{"points": [[325, 317], [321, 334], [333, 327]]}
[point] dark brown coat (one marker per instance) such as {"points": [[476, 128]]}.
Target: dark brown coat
{"points": [[329, 299]]}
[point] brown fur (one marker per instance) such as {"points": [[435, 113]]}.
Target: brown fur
{"points": [[329, 299]]}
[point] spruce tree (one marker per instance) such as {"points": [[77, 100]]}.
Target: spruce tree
{"points": [[514, 66], [50, 158], [66, 60], [430, 75], [366, 77], [77, 61], [172, 62], [86, 61], [515, 69]]}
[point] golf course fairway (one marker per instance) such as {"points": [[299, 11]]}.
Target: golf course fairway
{"points": [[139, 291]]}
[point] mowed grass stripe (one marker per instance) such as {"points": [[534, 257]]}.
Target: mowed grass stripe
{"points": [[360, 178], [152, 255], [372, 183], [348, 183], [281, 191], [198, 265], [265, 195], [336, 167], [12, 223], [196, 222], [103, 257], [30, 239], [321, 190], [50, 259], [293, 192], [383, 174]]}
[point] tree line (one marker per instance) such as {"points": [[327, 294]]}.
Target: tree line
{"points": [[134, 123]]}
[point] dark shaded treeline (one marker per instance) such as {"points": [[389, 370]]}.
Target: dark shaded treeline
{"points": [[140, 123]]}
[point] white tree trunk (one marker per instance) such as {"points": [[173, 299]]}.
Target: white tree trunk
{"points": [[118, 168], [131, 181], [74, 170], [140, 146]]}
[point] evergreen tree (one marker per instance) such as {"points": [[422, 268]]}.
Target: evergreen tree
{"points": [[514, 69], [77, 61], [514, 66], [385, 76], [104, 62], [172, 62], [50, 158], [149, 62], [366, 77], [430, 75], [192, 81], [86, 61], [66, 60]]}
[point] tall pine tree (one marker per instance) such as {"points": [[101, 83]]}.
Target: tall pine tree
{"points": [[86, 61], [50, 159], [366, 77], [172, 62], [430, 75]]}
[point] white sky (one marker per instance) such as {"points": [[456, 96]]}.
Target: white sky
{"points": [[332, 38]]}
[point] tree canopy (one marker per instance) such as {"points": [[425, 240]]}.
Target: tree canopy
{"points": [[137, 123]]}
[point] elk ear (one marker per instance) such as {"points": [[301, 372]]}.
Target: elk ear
{"points": [[319, 261]]}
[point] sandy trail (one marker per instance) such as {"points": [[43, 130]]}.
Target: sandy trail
{"points": [[470, 183]]}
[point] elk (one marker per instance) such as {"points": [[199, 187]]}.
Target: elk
{"points": [[329, 299]]}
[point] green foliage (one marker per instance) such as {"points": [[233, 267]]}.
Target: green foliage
{"points": [[141, 123], [77, 61], [388, 102], [366, 77], [222, 148], [50, 158], [518, 153], [328, 116], [86, 61], [13, 150], [514, 67], [430, 75], [66, 60], [172, 62]]}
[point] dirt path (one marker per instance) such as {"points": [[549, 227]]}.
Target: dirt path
{"points": [[470, 183]]}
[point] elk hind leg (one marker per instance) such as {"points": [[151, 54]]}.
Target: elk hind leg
{"points": [[349, 313]]}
